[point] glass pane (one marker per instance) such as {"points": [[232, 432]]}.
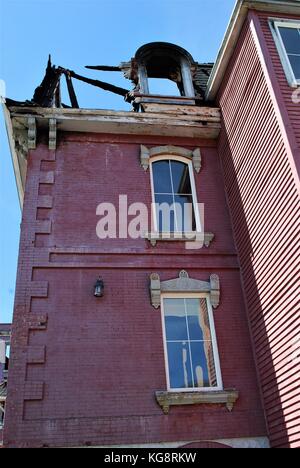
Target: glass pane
{"points": [[194, 320], [179, 365], [185, 215], [197, 318], [165, 214], [203, 364], [175, 319], [181, 177], [291, 40], [162, 177], [295, 62]]}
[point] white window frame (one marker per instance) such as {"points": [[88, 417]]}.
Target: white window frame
{"points": [[189, 163], [282, 23], [206, 296]]}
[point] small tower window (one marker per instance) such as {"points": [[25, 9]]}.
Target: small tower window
{"points": [[163, 86], [165, 69], [191, 352]]}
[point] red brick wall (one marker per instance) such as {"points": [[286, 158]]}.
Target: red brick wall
{"points": [[84, 370], [263, 194], [290, 110]]}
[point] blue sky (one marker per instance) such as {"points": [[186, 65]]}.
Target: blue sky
{"points": [[78, 33]]}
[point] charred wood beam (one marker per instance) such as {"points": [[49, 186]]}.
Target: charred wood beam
{"points": [[72, 95], [100, 84], [44, 94], [103, 68]]}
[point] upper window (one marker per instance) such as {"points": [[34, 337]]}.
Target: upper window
{"points": [[174, 196], [288, 38], [191, 353], [163, 86]]}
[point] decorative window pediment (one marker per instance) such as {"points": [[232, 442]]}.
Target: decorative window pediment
{"points": [[192, 363], [184, 284], [169, 150], [286, 33]]}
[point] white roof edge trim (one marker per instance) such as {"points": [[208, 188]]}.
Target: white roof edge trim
{"points": [[233, 32]]}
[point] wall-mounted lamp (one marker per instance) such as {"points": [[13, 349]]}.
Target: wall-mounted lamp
{"points": [[99, 288]]}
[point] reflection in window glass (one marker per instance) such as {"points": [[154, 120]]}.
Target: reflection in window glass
{"points": [[291, 40], [189, 344], [172, 189]]}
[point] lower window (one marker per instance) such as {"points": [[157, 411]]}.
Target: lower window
{"points": [[191, 353]]}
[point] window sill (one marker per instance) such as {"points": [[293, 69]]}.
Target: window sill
{"points": [[204, 238], [165, 399]]}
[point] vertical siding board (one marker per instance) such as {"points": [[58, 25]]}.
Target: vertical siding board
{"points": [[265, 209]]}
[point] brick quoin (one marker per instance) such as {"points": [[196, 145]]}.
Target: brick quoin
{"points": [[103, 360]]}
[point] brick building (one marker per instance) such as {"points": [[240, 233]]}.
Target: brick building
{"points": [[191, 335]]}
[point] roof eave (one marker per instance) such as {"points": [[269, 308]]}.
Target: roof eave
{"points": [[232, 34]]}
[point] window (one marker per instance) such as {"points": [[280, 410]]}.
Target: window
{"points": [[192, 361], [2, 410], [174, 196], [288, 41]]}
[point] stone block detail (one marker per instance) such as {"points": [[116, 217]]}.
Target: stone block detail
{"points": [[43, 227], [50, 156], [37, 322], [36, 354]]}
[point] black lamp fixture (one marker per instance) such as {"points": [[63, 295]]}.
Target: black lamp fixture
{"points": [[99, 288]]}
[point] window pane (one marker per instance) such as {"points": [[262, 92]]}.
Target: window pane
{"points": [[175, 319], [162, 177], [198, 321], [203, 364], [185, 215], [163, 86], [181, 177], [291, 40], [295, 63], [165, 213], [179, 365]]}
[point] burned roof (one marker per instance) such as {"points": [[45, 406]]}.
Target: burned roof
{"points": [[163, 60]]}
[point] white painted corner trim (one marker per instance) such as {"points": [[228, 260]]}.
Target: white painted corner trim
{"points": [[275, 24], [233, 31]]}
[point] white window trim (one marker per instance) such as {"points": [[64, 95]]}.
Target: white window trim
{"points": [[214, 343], [275, 24], [189, 163]]}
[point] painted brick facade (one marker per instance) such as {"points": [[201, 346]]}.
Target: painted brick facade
{"points": [[91, 367]]}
